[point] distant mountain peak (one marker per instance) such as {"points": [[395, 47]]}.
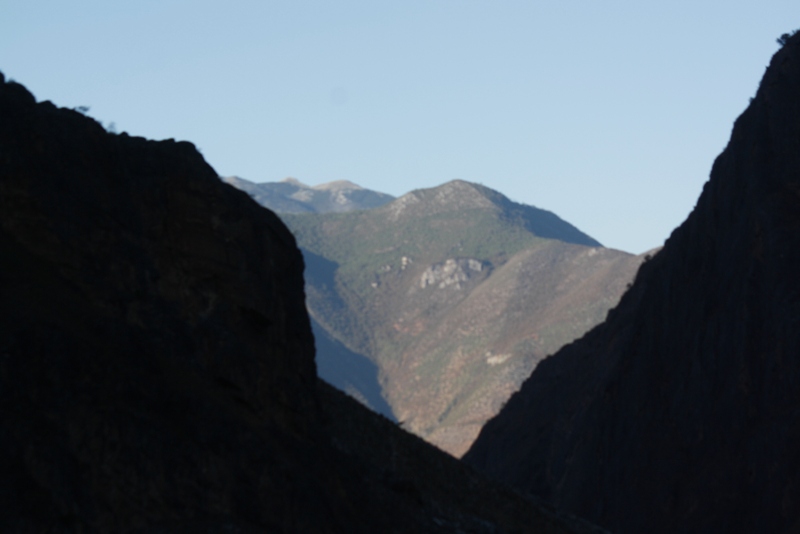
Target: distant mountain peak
{"points": [[337, 185], [293, 196], [293, 181], [462, 192], [460, 196], [455, 195]]}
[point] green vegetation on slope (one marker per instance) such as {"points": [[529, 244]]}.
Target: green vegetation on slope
{"points": [[455, 293], [364, 243]]}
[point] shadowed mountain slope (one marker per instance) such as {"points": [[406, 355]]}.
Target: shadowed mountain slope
{"points": [[350, 372], [681, 413], [157, 367], [293, 196], [453, 294]]}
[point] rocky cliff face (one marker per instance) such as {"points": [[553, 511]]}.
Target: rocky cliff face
{"points": [[157, 365], [681, 413]]}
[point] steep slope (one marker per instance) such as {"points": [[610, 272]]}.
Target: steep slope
{"points": [[293, 196], [429, 290], [349, 371], [681, 413], [156, 360]]}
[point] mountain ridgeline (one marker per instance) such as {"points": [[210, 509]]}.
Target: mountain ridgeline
{"points": [[157, 362], [681, 413], [436, 306], [293, 196]]}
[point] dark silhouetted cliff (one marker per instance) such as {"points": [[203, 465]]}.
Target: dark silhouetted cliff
{"points": [[681, 413], [157, 363]]}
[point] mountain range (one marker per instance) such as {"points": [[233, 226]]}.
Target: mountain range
{"points": [[157, 362], [433, 308]]}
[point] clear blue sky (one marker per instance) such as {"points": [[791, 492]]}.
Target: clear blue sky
{"points": [[609, 113]]}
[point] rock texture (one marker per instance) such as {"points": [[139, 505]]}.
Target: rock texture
{"points": [[293, 196], [157, 367], [435, 307], [681, 413]]}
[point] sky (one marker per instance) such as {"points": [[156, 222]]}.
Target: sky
{"points": [[608, 113]]}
